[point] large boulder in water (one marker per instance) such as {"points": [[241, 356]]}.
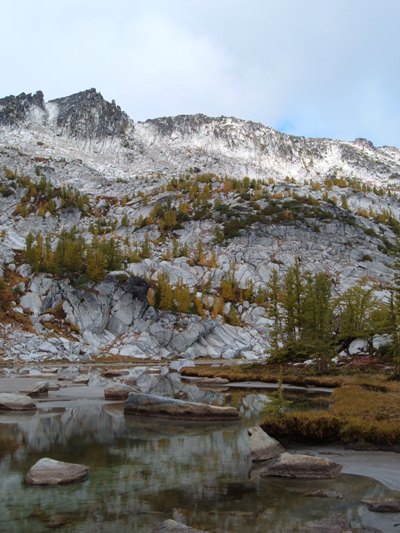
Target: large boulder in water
{"points": [[50, 472], [262, 446], [16, 402], [301, 467], [117, 391], [151, 405], [40, 388]]}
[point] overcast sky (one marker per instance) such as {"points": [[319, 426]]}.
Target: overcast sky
{"points": [[308, 67]]}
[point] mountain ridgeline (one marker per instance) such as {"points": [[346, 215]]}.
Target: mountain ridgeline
{"points": [[222, 145]]}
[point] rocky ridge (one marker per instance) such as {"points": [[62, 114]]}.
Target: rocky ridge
{"points": [[84, 124]]}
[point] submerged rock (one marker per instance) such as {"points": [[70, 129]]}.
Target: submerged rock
{"points": [[151, 405], [16, 402], [335, 524], [262, 446], [172, 526], [51, 472], [388, 506], [323, 494], [117, 391], [301, 467]]}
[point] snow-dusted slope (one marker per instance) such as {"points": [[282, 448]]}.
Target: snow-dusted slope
{"points": [[84, 126]]}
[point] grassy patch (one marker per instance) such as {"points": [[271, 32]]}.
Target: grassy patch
{"points": [[300, 376], [362, 416]]}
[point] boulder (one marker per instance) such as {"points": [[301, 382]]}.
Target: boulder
{"points": [[358, 346], [82, 380], [40, 388], [50, 369], [32, 302], [301, 467], [262, 446], [50, 472], [172, 526], [117, 391], [388, 506], [16, 402], [151, 405]]}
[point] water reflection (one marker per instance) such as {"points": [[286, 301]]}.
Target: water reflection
{"points": [[142, 469]]}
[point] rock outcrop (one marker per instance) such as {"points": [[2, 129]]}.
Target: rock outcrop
{"points": [[87, 115], [159, 406]]}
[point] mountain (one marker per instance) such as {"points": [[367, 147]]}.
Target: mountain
{"points": [[172, 145], [207, 201]]}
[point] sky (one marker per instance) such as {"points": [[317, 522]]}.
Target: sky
{"points": [[316, 68]]}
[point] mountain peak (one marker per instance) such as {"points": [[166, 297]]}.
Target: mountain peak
{"points": [[15, 110], [88, 114], [85, 114]]}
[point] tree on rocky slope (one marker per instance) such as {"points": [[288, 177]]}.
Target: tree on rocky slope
{"points": [[357, 317]]}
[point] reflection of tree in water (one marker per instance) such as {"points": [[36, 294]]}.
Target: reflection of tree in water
{"points": [[141, 469]]}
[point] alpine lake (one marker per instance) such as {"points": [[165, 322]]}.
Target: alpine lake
{"points": [[144, 471]]}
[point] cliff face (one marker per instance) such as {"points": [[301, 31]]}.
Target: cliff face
{"points": [[88, 115], [16, 110], [83, 115]]}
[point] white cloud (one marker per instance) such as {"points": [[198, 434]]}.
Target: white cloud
{"points": [[325, 68]]}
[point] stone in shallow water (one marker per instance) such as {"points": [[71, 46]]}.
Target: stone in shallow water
{"points": [[301, 467], [51, 472], [172, 526], [388, 506], [151, 405], [117, 391], [82, 380], [40, 388], [262, 446], [16, 402]]}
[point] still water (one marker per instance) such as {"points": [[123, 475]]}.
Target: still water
{"points": [[141, 470]]}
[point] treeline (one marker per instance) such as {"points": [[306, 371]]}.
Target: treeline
{"points": [[72, 256], [41, 196], [308, 321]]}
